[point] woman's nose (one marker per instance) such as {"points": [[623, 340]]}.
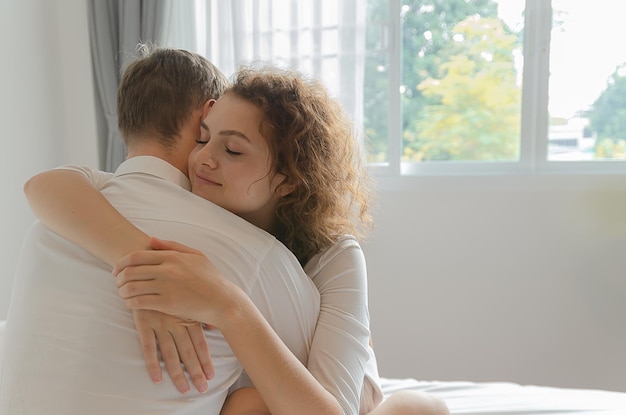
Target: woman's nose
{"points": [[210, 162], [206, 157]]}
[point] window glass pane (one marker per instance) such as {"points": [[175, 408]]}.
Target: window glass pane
{"points": [[376, 81], [461, 80], [460, 92], [587, 101]]}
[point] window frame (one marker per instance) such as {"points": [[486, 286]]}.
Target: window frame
{"points": [[534, 113]]}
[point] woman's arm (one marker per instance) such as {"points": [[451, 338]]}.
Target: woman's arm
{"points": [[69, 203], [340, 349], [245, 401], [341, 345], [179, 280]]}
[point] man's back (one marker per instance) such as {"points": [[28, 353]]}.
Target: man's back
{"points": [[71, 344]]}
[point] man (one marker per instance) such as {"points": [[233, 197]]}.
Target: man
{"points": [[71, 346]]}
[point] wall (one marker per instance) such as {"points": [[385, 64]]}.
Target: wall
{"points": [[501, 278], [46, 107], [471, 278]]}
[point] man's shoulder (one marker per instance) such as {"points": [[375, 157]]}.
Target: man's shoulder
{"points": [[44, 246], [154, 204], [140, 195]]}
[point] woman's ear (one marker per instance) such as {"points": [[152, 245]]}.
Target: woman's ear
{"points": [[279, 182], [285, 189]]}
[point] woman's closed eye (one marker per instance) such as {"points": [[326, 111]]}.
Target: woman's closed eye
{"points": [[232, 152], [228, 151]]}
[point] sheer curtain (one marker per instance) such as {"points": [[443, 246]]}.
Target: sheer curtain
{"points": [[322, 38]]}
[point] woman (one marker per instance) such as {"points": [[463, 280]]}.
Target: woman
{"points": [[277, 151]]}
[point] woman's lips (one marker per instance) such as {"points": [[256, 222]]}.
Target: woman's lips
{"points": [[206, 180]]}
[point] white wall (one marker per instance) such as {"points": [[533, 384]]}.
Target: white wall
{"points": [[485, 278], [46, 107], [506, 278]]}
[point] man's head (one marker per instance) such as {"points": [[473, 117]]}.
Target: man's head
{"points": [[161, 93]]}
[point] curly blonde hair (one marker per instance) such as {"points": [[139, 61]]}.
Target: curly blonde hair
{"points": [[313, 143]]}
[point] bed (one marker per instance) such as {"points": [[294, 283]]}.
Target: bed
{"points": [[503, 398]]}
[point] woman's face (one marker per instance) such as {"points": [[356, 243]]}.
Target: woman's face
{"points": [[231, 164]]}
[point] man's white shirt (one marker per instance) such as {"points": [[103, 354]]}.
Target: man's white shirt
{"points": [[71, 346]]}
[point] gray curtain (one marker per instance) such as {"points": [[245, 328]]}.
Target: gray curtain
{"points": [[116, 27]]}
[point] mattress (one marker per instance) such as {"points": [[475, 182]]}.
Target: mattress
{"points": [[503, 398]]}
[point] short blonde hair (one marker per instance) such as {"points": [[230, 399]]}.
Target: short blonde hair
{"points": [[160, 91]]}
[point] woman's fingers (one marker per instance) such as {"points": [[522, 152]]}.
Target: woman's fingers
{"points": [[139, 258], [163, 245], [152, 271], [147, 337], [169, 352], [196, 333], [182, 345], [189, 356], [184, 284], [134, 289], [144, 302]]}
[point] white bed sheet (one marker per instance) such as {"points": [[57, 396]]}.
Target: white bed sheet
{"points": [[501, 398], [481, 398]]}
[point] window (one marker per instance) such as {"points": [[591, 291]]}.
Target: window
{"points": [[451, 72], [449, 86], [587, 83], [483, 86]]}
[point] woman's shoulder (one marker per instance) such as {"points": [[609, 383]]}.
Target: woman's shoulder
{"points": [[342, 253], [343, 243]]}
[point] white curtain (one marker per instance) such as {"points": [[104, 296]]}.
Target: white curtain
{"points": [[323, 38]]}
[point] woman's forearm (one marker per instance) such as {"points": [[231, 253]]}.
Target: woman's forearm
{"points": [[175, 279], [68, 203], [286, 386]]}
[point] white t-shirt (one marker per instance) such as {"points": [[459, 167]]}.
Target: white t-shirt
{"points": [[71, 346]]}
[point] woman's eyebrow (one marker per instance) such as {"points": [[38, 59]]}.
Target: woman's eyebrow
{"points": [[235, 133]]}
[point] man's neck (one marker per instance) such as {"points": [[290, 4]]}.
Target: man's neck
{"points": [[160, 152]]}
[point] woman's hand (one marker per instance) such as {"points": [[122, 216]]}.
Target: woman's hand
{"points": [[177, 280], [179, 341]]}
